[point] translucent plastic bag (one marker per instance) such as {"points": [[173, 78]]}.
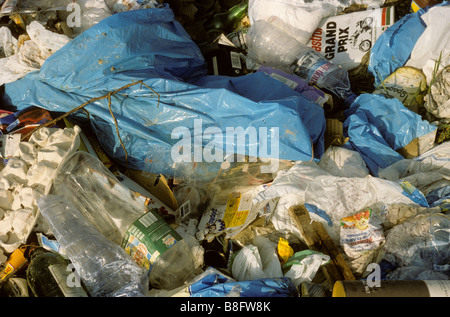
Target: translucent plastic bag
{"points": [[422, 241]]}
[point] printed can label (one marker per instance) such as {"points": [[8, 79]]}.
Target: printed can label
{"points": [[149, 237]]}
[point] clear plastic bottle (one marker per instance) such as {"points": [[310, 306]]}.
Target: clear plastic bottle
{"points": [[269, 45], [104, 267], [125, 220]]}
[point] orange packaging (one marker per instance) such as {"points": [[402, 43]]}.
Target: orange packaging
{"points": [[15, 262]]}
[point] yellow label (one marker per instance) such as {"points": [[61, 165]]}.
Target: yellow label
{"points": [[6, 272], [236, 213]]}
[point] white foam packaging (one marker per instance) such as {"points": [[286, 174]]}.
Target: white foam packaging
{"points": [[26, 177]]}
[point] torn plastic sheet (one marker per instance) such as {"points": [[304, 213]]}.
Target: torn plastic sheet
{"points": [[379, 128], [159, 53]]}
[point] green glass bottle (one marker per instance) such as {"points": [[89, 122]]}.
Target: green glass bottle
{"points": [[226, 22], [48, 275]]}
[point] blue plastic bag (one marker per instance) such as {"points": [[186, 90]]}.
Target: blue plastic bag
{"points": [[155, 117], [215, 284], [394, 46], [378, 127]]}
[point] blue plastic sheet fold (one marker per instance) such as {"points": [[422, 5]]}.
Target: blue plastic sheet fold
{"points": [[379, 126], [177, 102]]}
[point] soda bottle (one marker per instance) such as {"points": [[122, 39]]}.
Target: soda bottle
{"points": [[271, 46], [226, 22], [49, 275], [140, 231], [103, 266]]}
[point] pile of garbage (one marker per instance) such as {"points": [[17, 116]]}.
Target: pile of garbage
{"points": [[224, 148]]}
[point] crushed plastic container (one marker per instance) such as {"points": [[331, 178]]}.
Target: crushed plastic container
{"points": [[125, 220]]}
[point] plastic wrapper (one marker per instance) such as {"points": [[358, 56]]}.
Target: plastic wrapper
{"points": [[230, 212], [344, 39], [303, 266], [299, 18], [421, 241], [105, 268]]}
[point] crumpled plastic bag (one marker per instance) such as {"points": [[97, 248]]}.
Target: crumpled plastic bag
{"points": [[340, 161], [330, 198], [429, 173], [422, 241], [384, 131], [299, 18], [213, 283], [434, 42], [393, 48], [31, 55], [304, 265], [154, 122]]}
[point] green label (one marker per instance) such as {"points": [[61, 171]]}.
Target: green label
{"points": [[149, 237]]}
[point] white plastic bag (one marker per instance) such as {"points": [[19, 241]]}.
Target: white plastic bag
{"points": [[427, 172], [8, 42], [247, 264], [304, 265], [32, 54], [269, 258], [300, 18], [330, 198], [340, 161], [433, 42]]}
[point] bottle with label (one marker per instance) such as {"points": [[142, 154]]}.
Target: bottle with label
{"points": [[271, 46], [15, 262], [49, 275], [104, 267], [125, 220], [226, 22], [392, 288]]}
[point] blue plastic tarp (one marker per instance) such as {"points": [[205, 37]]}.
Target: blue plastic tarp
{"points": [[378, 127], [152, 47]]}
